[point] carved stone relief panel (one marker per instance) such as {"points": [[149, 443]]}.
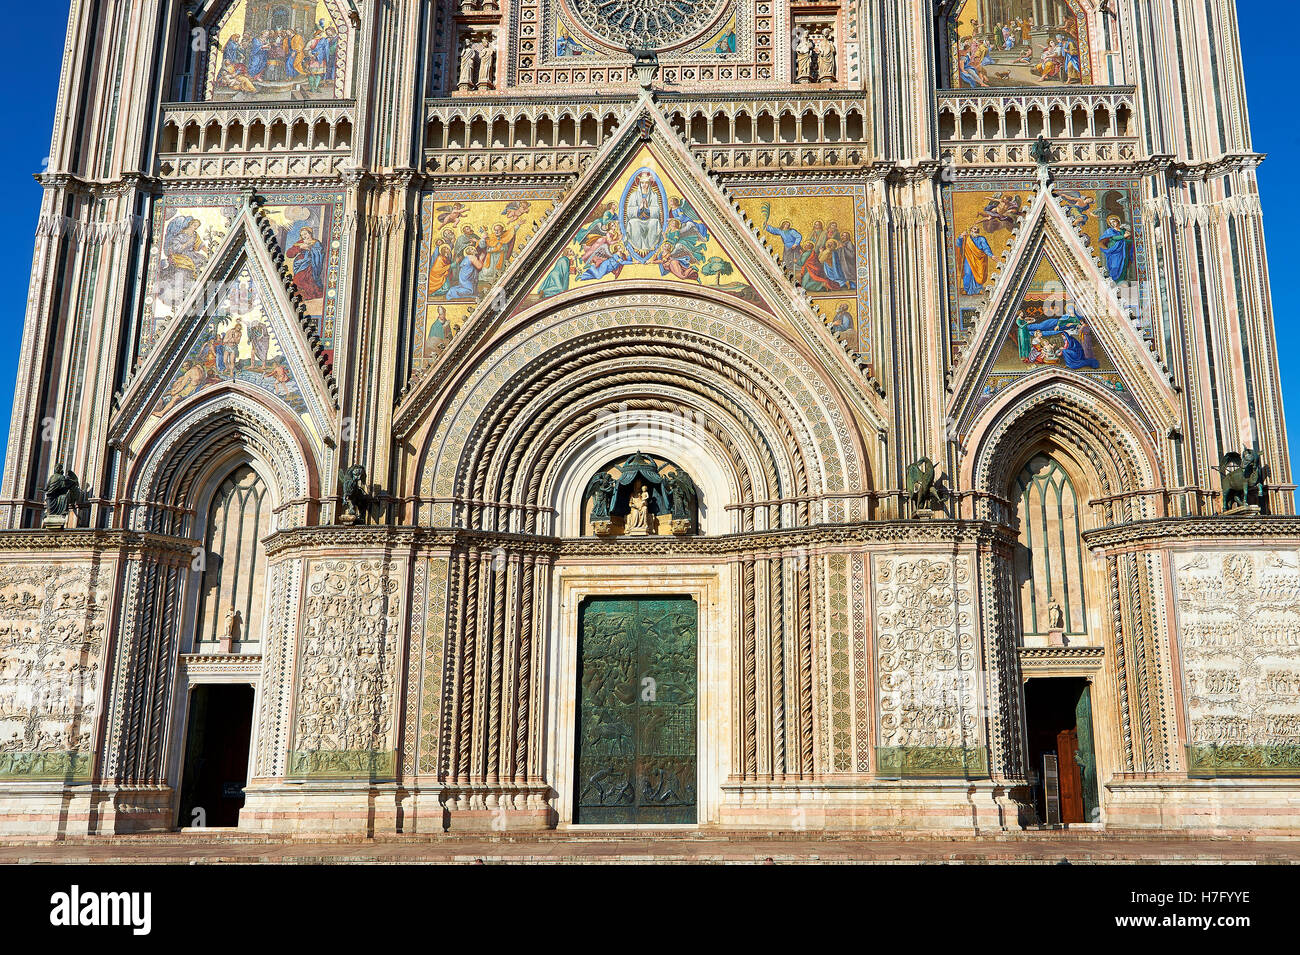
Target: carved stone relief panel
{"points": [[348, 648], [1239, 634], [927, 658], [51, 668]]}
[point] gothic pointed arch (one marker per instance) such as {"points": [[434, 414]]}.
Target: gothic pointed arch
{"points": [[1115, 471], [1074, 415], [197, 444]]}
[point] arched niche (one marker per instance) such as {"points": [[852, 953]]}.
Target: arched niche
{"points": [[661, 436]]}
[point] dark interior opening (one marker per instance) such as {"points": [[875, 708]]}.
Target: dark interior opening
{"points": [[216, 755], [1058, 723]]}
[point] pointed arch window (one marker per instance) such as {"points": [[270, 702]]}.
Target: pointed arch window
{"points": [[1049, 560], [233, 586]]}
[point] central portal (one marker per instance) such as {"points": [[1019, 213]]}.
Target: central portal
{"points": [[636, 736]]}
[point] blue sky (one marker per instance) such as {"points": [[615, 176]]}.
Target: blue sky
{"points": [[32, 45]]}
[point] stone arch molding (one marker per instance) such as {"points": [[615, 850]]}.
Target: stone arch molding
{"points": [[200, 438], [502, 449], [1079, 418]]}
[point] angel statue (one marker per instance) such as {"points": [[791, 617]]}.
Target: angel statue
{"points": [[62, 494], [601, 488], [683, 494], [922, 486], [356, 501]]}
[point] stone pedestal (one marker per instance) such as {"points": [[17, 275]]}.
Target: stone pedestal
{"points": [[1236, 807], [488, 807], [932, 805], [126, 809], [1243, 510], [46, 810], [321, 807]]}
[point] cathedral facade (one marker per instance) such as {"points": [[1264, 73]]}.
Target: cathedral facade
{"points": [[526, 414]]}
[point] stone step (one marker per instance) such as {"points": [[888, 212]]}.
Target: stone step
{"points": [[551, 840], [662, 847]]}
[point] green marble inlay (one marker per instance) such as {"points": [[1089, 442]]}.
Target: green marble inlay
{"points": [[68, 766], [370, 764], [961, 762], [1205, 760]]}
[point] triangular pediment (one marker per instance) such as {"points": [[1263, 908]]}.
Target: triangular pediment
{"points": [[644, 214], [242, 325], [1051, 308], [643, 228]]}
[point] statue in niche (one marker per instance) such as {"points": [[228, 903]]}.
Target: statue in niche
{"points": [[804, 55], [468, 65], [1241, 477], [685, 499], [825, 47], [229, 632], [601, 489], [62, 495], [923, 487], [638, 511], [645, 494], [357, 501], [1055, 625], [485, 75]]}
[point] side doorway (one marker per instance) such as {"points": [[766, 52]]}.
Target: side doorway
{"points": [[218, 737], [1058, 729]]}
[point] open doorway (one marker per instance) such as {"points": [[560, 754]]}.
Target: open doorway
{"points": [[1058, 727], [216, 755]]}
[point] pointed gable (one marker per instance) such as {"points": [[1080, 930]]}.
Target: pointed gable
{"points": [[190, 228], [643, 213], [241, 323], [1052, 274], [643, 227], [238, 342]]}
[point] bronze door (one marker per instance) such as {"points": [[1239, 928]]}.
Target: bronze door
{"points": [[636, 751]]}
